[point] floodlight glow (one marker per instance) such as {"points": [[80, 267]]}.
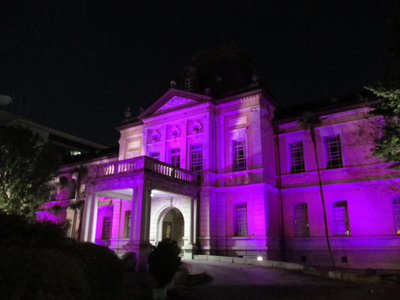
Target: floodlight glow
{"points": [[259, 258]]}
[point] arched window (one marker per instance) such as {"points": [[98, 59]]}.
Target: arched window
{"points": [[340, 218], [301, 225]]}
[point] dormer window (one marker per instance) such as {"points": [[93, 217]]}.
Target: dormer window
{"points": [[189, 84]]}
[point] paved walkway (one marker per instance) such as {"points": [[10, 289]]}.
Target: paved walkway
{"points": [[235, 281]]}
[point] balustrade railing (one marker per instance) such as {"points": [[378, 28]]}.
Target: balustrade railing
{"points": [[142, 163]]}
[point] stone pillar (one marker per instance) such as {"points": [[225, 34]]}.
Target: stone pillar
{"points": [[208, 213], [220, 141], [93, 220], [140, 226], [190, 229], [86, 216], [144, 141], [208, 142], [221, 223], [163, 143], [116, 225], [122, 149], [256, 138]]}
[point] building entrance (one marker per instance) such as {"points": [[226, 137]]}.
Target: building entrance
{"points": [[173, 226]]}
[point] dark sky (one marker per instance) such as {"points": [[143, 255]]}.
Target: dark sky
{"points": [[76, 65]]}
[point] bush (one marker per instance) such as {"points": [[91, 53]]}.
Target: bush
{"points": [[102, 268], [17, 231], [40, 274], [164, 261]]}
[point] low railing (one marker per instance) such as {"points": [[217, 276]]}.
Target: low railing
{"points": [[141, 163]]}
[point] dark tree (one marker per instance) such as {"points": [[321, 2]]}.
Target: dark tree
{"points": [[27, 167]]}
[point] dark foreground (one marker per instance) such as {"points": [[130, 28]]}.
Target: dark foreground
{"points": [[234, 281]]}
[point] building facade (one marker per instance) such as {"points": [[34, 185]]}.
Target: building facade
{"points": [[211, 165]]}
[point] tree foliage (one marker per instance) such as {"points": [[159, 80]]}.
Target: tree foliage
{"points": [[27, 166], [387, 145]]}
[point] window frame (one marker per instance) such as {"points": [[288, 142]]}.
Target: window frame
{"points": [[301, 221], [106, 230], [155, 155], [188, 84], [297, 163], [239, 160], [241, 223], [396, 214], [127, 223], [196, 163], [340, 217], [334, 159], [175, 157]]}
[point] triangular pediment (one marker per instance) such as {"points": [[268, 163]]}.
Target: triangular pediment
{"points": [[175, 102], [174, 99]]}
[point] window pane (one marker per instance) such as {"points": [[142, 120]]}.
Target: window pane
{"points": [[175, 157], [296, 157], [333, 152], [340, 218], [106, 228], [196, 158], [239, 159], [241, 219]]}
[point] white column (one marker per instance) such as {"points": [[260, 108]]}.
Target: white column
{"points": [[144, 141], [86, 217], [122, 149], [93, 220], [220, 144], [208, 142], [194, 221], [256, 137], [163, 141], [116, 219]]}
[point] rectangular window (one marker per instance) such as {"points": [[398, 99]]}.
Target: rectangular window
{"points": [[155, 155], [239, 159], [127, 225], [106, 228], [296, 157], [333, 152], [196, 158], [396, 210], [241, 219], [175, 157], [301, 225], [189, 84], [340, 218]]}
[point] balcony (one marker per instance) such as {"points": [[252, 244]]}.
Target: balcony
{"points": [[141, 164]]}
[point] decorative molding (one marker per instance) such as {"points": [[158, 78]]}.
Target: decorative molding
{"points": [[176, 101], [238, 100], [133, 145], [155, 136], [171, 113], [238, 121]]}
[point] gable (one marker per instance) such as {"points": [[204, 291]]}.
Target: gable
{"points": [[174, 99], [175, 102]]}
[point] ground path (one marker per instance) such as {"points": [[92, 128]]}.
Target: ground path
{"points": [[237, 281]]}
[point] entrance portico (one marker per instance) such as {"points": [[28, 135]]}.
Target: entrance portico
{"points": [[139, 192]]}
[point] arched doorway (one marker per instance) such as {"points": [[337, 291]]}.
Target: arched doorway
{"points": [[173, 226]]}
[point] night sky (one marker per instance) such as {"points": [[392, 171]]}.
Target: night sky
{"points": [[76, 65]]}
